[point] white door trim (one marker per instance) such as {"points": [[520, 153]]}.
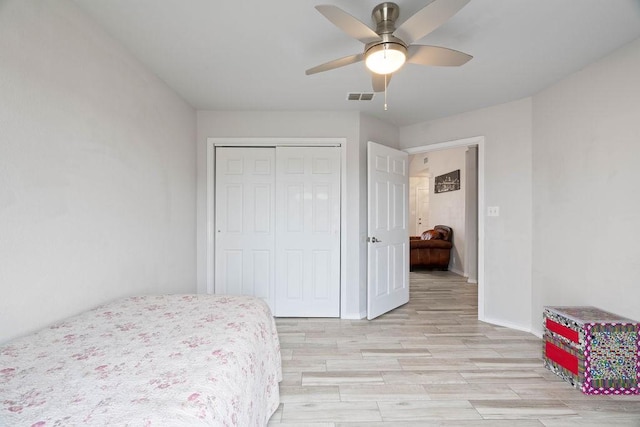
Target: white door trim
{"points": [[479, 141], [212, 143], [276, 142]]}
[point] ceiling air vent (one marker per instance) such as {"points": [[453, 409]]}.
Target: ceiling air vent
{"points": [[357, 96]]}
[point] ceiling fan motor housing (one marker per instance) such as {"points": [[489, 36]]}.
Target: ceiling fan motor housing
{"points": [[384, 17]]}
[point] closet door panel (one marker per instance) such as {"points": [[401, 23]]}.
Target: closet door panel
{"points": [[244, 222], [232, 271], [308, 231]]}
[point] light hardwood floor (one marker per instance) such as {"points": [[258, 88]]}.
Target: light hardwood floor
{"points": [[430, 362]]}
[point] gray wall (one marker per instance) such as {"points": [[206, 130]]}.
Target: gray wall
{"points": [[97, 171], [586, 207], [562, 167], [507, 241]]}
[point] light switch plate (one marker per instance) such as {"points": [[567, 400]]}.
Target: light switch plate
{"points": [[493, 211]]}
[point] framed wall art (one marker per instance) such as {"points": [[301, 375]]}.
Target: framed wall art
{"points": [[448, 182]]}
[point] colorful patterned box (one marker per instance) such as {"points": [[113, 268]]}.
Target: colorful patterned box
{"points": [[596, 351]]}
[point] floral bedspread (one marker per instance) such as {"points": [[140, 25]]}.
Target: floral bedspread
{"points": [[162, 360]]}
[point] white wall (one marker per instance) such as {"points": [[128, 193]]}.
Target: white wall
{"points": [[507, 241], [417, 165], [449, 208], [586, 220], [97, 179]]}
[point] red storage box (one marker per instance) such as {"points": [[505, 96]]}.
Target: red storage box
{"points": [[594, 350]]}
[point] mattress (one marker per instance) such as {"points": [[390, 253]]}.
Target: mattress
{"points": [[163, 360]]}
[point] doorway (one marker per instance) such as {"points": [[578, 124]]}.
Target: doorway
{"points": [[478, 239], [422, 209]]}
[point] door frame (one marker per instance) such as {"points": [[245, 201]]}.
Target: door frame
{"points": [[212, 143], [478, 141]]}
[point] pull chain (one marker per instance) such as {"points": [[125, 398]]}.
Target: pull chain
{"points": [[385, 92]]}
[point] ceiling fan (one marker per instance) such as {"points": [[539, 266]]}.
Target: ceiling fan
{"points": [[388, 48]]}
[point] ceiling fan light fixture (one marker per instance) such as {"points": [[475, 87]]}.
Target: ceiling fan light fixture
{"points": [[385, 58]]}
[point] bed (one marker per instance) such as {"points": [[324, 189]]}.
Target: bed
{"points": [[162, 360]]}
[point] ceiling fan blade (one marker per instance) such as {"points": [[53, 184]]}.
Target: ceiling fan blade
{"points": [[435, 55], [348, 24], [428, 19], [336, 63], [378, 82]]}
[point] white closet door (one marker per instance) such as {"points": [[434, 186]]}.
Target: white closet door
{"points": [[308, 231], [245, 226]]}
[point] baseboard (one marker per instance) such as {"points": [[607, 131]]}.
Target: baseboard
{"points": [[508, 325], [538, 333], [354, 316], [472, 281], [458, 272]]}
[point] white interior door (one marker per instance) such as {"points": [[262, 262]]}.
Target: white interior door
{"points": [[422, 209], [244, 222], [308, 231], [388, 233]]}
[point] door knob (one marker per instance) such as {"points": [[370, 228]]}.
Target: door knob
{"points": [[374, 240]]}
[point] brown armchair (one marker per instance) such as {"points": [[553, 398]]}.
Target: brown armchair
{"points": [[432, 249]]}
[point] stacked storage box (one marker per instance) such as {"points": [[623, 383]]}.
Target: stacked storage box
{"points": [[596, 351]]}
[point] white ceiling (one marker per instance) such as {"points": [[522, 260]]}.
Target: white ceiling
{"points": [[252, 54]]}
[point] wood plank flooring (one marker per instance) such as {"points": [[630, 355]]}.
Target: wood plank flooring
{"points": [[429, 363]]}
